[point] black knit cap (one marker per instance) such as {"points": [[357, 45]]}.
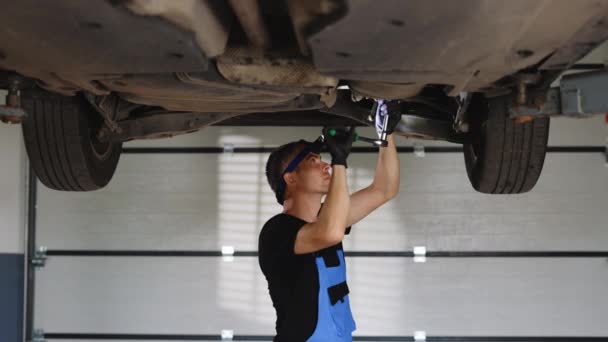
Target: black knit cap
{"points": [[286, 158]]}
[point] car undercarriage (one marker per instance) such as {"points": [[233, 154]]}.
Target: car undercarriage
{"points": [[140, 69]]}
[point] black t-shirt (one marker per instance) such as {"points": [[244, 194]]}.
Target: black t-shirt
{"points": [[293, 280]]}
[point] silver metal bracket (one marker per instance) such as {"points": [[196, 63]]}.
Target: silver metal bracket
{"points": [[39, 258], [12, 113], [38, 336], [585, 93]]}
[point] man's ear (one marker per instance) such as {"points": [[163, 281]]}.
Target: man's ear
{"points": [[288, 178]]}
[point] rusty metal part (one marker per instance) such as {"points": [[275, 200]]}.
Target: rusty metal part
{"points": [[521, 93], [523, 81], [249, 15], [12, 115], [254, 67], [549, 106], [205, 18], [13, 99], [523, 119], [307, 14], [12, 112]]}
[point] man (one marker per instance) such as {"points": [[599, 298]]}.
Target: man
{"points": [[300, 250]]}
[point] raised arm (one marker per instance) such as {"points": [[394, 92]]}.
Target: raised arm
{"points": [[384, 187], [330, 225]]}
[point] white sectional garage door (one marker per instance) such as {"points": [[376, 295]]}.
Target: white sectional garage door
{"points": [[200, 202]]}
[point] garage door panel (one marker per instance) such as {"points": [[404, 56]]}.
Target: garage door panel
{"points": [[152, 295], [389, 296], [577, 132], [502, 297], [445, 173], [436, 207], [386, 229]]}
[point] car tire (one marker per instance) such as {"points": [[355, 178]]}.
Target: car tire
{"points": [[59, 136], [503, 157]]}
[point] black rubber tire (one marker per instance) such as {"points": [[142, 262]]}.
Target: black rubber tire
{"points": [[503, 157], [60, 142]]}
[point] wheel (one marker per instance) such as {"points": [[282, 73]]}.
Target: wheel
{"points": [[61, 145], [503, 157]]}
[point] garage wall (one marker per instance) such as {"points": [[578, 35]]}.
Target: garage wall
{"points": [[12, 220], [169, 202], [12, 183]]}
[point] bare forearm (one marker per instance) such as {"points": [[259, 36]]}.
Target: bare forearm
{"points": [[384, 186], [386, 179], [333, 215]]}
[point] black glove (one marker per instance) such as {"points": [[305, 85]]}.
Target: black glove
{"points": [[339, 143], [390, 108]]}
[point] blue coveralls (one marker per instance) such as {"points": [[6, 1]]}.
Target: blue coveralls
{"points": [[335, 322]]}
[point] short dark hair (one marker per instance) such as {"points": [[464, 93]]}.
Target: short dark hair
{"points": [[277, 162]]}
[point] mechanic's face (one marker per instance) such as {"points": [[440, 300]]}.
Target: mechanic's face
{"points": [[312, 175]]}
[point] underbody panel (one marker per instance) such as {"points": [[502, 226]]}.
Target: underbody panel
{"points": [[465, 44], [69, 45], [211, 56]]}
